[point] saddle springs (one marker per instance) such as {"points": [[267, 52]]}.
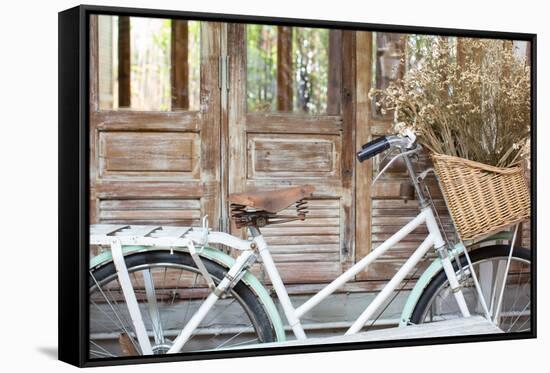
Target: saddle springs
{"points": [[245, 217]]}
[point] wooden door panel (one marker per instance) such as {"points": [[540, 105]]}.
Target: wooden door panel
{"points": [[274, 149], [179, 121], [151, 167], [295, 123], [293, 156], [168, 203], [166, 211], [157, 155]]}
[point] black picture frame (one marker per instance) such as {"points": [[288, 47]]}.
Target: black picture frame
{"points": [[74, 184]]}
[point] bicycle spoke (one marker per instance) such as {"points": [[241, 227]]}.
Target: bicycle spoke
{"points": [[520, 329], [164, 279], [103, 349], [447, 303], [209, 323], [187, 305], [519, 316], [193, 335], [154, 314], [121, 326], [244, 343], [101, 354], [518, 286], [110, 305], [229, 340], [176, 289], [121, 308]]}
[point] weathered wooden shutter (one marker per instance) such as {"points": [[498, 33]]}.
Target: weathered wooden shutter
{"points": [[157, 167], [380, 209], [276, 149]]}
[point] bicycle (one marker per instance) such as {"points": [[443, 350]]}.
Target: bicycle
{"points": [[165, 290]]}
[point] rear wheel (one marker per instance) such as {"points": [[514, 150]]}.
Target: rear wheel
{"points": [[437, 302], [169, 289]]}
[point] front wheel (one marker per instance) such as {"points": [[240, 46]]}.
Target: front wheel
{"points": [[437, 302], [169, 289]]}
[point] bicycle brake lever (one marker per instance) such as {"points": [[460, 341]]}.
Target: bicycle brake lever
{"points": [[416, 149]]}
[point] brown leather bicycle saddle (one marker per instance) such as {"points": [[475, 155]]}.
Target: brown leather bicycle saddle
{"points": [[272, 200]]}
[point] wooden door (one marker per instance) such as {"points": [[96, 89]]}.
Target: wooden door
{"points": [[276, 140], [151, 162], [381, 212]]}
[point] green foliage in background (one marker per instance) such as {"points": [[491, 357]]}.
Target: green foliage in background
{"points": [[309, 69], [261, 67]]}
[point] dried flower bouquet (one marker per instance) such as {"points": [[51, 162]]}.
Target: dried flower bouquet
{"points": [[475, 106]]}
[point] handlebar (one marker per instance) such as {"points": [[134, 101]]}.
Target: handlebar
{"points": [[373, 148], [406, 144], [383, 143]]}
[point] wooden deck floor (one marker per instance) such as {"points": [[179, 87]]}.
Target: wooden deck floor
{"points": [[475, 325]]}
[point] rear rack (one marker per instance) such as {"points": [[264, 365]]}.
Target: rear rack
{"points": [[117, 236], [139, 235]]}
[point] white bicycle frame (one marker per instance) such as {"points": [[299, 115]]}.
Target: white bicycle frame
{"points": [[258, 246], [250, 249]]}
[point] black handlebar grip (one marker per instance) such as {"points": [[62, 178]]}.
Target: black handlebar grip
{"points": [[372, 148]]}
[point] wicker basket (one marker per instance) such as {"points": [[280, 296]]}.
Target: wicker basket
{"points": [[482, 199]]}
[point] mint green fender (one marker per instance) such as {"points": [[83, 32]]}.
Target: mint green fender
{"points": [[222, 259], [432, 271]]}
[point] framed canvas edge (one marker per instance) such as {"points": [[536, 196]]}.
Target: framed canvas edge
{"points": [[73, 193], [72, 186]]}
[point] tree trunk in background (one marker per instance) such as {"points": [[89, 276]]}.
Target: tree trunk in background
{"points": [[179, 68], [124, 60], [284, 68]]}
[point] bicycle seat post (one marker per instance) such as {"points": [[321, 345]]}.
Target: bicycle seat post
{"points": [[254, 231]]}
